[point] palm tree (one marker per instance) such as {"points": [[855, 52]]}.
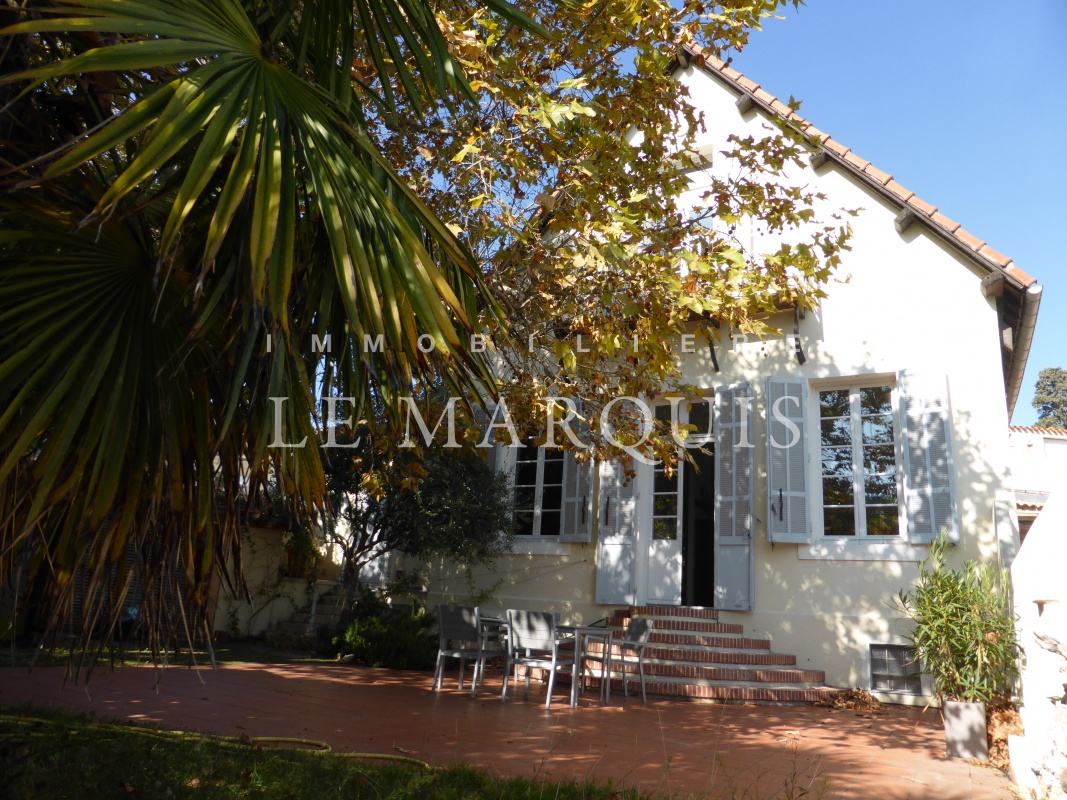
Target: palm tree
{"points": [[190, 198]]}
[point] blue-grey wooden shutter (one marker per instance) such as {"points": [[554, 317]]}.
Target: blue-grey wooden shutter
{"points": [[734, 568], [788, 519], [577, 500], [929, 472], [615, 538]]}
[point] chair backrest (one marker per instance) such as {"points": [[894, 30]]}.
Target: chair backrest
{"points": [[531, 630], [638, 631], [458, 624]]}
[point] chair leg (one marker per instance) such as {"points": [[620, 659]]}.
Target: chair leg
{"points": [[526, 691], [478, 667], [641, 668], [462, 662], [507, 678], [625, 675], [437, 672], [551, 680]]}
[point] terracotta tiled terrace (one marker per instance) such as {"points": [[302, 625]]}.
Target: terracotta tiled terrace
{"points": [[665, 746]]}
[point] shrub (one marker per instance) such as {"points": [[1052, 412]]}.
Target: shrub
{"points": [[398, 637], [964, 633]]}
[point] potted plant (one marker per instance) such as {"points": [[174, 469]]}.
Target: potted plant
{"points": [[964, 638]]}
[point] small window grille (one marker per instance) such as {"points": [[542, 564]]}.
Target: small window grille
{"points": [[894, 668]]}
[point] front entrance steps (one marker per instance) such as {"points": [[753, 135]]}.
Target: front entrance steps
{"points": [[692, 654]]}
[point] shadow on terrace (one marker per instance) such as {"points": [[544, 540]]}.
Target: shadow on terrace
{"points": [[665, 746]]}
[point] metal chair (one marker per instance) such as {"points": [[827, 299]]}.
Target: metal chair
{"points": [[459, 625], [533, 643], [635, 640]]}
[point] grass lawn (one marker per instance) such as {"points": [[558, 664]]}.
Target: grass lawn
{"points": [[49, 754]]}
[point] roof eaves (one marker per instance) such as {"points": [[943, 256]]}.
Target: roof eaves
{"points": [[950, 231]]}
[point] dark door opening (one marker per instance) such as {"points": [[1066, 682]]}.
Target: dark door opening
{"points": [[698, 530]]}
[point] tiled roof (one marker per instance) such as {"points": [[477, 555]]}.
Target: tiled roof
{"points": [[1020, 506], [883, 181], [1056, 433]]}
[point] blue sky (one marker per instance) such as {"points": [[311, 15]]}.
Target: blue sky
{"points": [[964, 103]]}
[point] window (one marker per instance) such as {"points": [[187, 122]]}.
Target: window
{"points": [[538, 490], [894, 669], [859, 462]]}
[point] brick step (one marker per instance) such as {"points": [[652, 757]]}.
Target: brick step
{"points": [[682, 625], [722, 692], [708, 640], [734, 674], [687, 612]]}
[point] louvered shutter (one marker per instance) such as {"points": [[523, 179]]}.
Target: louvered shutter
{"points": [[787, 460], [577, 500], [929, 473], [733, 498], [615, 540]]}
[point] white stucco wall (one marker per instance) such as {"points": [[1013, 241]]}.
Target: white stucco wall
{"points": [[901, 301]]}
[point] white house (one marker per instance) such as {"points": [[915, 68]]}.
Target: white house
{"points": [[771, 569], [1039, 466]]}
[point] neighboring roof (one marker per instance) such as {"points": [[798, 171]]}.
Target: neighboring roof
{"points": [[1048, 433], [1018, 297], [864, 169], [1029, 501]]}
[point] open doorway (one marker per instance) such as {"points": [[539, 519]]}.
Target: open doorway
{"points": [[698, 530]]}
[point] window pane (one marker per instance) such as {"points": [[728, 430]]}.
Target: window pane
{"points": [[524, 497], [665, 504], [839, 521], [876, 400], [553, 472], [552, 498], [880, 458], [665, 528], [665, 484], [524, 523], [528, 451], [882, 521], [880, 489], [837, 491], [526, 473], [833, 403], [550, 523], [836, 432], [837, 461], [878, 429], [700, 416]]}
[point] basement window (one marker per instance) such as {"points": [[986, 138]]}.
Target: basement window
{"points": [[894, 668]]}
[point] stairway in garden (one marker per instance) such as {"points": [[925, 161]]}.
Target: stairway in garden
{"points": [[327, 613], [691, 654]]}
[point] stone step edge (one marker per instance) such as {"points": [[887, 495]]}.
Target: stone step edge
{"points": [[678, 625], [698, 653], [733, 674], [689, 612], [723, 691]]}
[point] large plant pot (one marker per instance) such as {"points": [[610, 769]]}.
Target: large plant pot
{"points": [[965, 730]]}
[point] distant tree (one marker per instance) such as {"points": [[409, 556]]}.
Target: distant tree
{"points": [[1050, 398]]}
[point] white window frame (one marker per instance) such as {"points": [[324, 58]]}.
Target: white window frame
{"points": [[539, 492], [854, 385]]}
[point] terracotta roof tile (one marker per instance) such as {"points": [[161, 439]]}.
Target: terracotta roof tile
{"points": [[899, 191], [882, 177], [949, 225], [922, 205], [859, 163], [766, 97], [993, 255], [1019, 275], [815, 133], [863, 167], [1054, 432], [835, 147], [969, 239]]}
